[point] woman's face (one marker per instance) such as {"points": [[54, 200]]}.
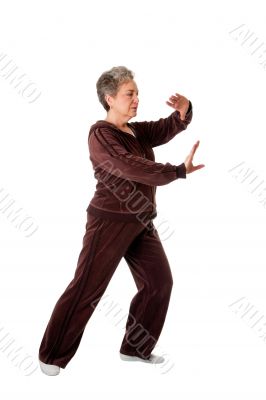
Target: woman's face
{"points": [[125, 103]]}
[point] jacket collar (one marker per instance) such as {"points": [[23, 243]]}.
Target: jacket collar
{"points": [[105, 124]]}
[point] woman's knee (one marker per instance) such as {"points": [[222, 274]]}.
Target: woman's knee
{"points": [[163, 287]]}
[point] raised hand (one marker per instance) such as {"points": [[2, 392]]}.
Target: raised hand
{"points": [[188, 161], [179, 103]]}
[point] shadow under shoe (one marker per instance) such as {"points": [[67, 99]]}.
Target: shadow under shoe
{"points": [[153, 359]]}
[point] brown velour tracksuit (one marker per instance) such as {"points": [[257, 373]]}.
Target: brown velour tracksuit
{"points": [[119, 224]]}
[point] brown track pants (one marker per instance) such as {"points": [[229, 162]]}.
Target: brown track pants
{"points": [[105, 242]]}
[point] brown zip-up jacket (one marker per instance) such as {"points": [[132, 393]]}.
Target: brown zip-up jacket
{"points": [[125, 168]]}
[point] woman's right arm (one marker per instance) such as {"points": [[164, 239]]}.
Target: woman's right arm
{"points": [[108, 153]]}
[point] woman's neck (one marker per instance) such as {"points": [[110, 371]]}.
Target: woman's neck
{"points": [[118, 121]]}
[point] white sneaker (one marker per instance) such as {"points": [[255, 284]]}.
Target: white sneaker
{"points": [[49, 369], [153, 359]]}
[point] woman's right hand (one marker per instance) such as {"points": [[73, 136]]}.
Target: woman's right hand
{"points": [[188, 161]]}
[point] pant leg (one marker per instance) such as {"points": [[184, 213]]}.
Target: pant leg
{"points": [[104, 244], [151, 272]]}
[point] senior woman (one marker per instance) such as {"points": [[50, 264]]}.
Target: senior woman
{"points": [[120, 224]]}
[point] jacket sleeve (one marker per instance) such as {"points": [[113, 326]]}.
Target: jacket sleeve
{"points": [[107, 153], [156, 133]]}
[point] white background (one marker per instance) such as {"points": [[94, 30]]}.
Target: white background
{"points": [[217, 250]]}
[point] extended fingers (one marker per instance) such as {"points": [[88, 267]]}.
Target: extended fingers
{"points": [[170, 103], [175, 97], [175, 100], [199, 166], [194, 148]]}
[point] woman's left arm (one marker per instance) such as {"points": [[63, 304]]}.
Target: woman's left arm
{"points": [[156, 133]]}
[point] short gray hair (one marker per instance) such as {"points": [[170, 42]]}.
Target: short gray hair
{"points": [[110, 81]]}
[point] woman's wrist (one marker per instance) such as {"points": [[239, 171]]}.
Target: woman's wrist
{"points": [[181, 171]]}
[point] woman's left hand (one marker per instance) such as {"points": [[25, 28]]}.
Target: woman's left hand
{"points": [[179, 103]]}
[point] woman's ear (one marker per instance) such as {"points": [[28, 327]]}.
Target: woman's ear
{"points": [[109, 100]]}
